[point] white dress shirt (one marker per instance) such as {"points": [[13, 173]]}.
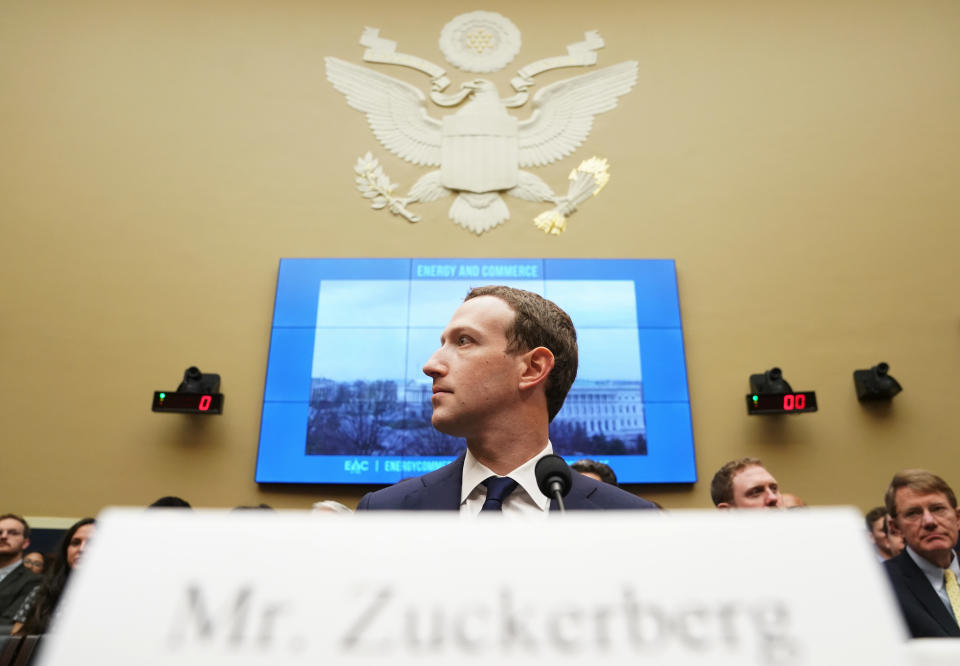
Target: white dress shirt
{"points": [[525, 500]]}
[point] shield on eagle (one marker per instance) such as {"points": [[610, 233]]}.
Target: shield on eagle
{"points": [[478, 151]]}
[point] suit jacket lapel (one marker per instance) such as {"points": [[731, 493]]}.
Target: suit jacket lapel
{"points": [[926, 595]]}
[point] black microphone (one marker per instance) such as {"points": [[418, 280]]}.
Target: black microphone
{"points": [[554, 478]]}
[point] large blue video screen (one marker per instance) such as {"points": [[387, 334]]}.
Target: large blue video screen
{"points": [[346, 399]]}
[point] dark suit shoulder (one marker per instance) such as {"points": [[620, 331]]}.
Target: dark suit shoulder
{"points": [[895, 565], [390, 497], [922, 609], [14, 588], [598, 495], [436, 490], [21, 577], [901, 569]]}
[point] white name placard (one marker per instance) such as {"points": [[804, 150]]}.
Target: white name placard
{"points": [[734, 587]]}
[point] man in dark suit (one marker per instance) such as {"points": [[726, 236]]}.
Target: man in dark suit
{"points": [[923, 508], [440, 490], [16, 581], [505, 364]]}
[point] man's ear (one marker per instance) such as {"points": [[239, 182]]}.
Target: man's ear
{"points": [[537, 364], [26, 544], [724, 505]]}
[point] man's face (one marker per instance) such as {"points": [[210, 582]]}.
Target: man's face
{"points": [[34, 562], [895, 540], [879, 536], [755, 488], [474, 377], [12, 541], [927, 522]]}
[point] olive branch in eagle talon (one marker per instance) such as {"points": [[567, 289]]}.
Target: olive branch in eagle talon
{"points": [[374, 184]]}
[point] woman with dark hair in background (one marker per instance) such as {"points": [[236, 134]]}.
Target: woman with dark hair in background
{"points": [[35, 613]]}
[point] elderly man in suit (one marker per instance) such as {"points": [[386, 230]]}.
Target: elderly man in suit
{"points": [[923, 508], [16, 580], [505, 364]]}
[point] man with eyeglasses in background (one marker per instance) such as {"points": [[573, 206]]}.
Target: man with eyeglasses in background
{"points": [[16, 580], [923, 508], [34, 561]]}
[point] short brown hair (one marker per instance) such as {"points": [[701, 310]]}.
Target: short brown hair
{"points": [[919, 480], [540, 323], [721, 488], [26, 527], [875, 514]]}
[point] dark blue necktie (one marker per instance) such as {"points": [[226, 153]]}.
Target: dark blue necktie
{"points": [[498, 487]]}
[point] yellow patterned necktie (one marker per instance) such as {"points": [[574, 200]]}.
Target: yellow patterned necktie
{"points": [[953, 592]]}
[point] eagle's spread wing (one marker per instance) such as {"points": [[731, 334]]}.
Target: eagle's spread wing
{"points": [[396, 111], [563, 112]]}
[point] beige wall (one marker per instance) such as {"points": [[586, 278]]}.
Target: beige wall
{"points": [[799, 160]]}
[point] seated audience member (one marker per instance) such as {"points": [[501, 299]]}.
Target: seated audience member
{"points": [[923, 508], [37, 610], [595, 470], [895, 540], [330, 506], [745, 484], [506, 361], [170, 502], [879, 532], [34, 561], [259, 507], [791, 501], [16, 580]]}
